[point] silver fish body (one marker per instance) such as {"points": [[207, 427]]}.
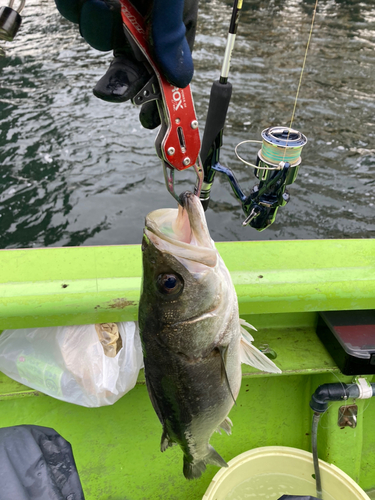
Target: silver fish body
{"points": [[190, 331]]}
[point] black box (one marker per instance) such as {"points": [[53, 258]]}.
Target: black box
{"points": [[349, 337]]}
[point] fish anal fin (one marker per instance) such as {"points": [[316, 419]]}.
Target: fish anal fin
{"points": [[226, 426], [223, 350]]}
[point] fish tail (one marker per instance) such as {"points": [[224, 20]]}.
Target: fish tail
{"points": [[193, 470]]}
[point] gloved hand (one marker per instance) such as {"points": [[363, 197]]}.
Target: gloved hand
{"points": [[171, 27]]}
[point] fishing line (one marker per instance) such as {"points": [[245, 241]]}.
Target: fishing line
{"points": [[278, 159], [325, 416], [282, 144], [364, 409], [303, 69], [340, 381]]}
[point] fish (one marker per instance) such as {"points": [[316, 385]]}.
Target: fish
{"points": [[192, 337]]}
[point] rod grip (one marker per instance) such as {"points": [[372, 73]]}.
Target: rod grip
{"points": [[216, 115]]}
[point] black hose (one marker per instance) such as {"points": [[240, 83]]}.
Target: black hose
{"points": [[319, 404], [314, 445], [334, 392]]}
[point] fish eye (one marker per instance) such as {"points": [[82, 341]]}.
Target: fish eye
{"points": [[169, 284]]}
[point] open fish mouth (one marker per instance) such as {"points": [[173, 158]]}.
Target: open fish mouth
{"points": [[182, 232]]}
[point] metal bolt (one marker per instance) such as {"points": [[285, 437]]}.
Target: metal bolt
{"points": [[194, 124], [186, 161], [170, 151]]}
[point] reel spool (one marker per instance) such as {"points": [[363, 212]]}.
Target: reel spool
{"points": [[279, 145]]}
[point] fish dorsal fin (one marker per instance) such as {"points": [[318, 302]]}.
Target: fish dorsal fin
{"points": [[223, 350], [252, 356]]}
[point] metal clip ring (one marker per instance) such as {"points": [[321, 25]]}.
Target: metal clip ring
{"points": [[21, 6]]}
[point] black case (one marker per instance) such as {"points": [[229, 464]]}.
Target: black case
{"points": [[349, 337]]}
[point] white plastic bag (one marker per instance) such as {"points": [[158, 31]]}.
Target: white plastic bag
{"points": [[69, 363]]}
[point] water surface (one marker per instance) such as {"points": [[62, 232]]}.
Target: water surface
{"points": [[78, 171]]}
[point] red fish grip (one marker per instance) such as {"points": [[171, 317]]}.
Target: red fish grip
{"points": [[180, 143]]}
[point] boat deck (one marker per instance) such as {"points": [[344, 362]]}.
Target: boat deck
{"points": [[280, 286]]}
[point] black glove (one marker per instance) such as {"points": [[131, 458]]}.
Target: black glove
{"points": [[171, 27]]}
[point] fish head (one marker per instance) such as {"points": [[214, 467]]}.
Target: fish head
{"points": [[187, 292]]}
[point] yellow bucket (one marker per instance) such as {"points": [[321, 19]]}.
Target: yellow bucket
{"points": [[273, 471]]}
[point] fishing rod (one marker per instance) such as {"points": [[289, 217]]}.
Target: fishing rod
{"points": [[277, 161], [221, 93]]}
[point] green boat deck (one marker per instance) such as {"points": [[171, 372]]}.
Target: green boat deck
{"points": [[280, 286]]}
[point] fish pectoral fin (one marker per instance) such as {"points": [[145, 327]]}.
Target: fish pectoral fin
{"points": [[166, 441], [223, 350], [193, 470], [252, 356], [152, 395], [226, 426]]}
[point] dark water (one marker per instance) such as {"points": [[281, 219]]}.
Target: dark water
{"points": [[75, 170]]}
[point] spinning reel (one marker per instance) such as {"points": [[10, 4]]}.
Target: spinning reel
{"points": [[276, 166]]}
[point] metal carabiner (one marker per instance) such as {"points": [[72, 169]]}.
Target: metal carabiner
{"points": [[21, 6], [169, 178]]}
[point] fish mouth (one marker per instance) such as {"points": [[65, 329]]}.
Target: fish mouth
{"points": [[182, 232]]}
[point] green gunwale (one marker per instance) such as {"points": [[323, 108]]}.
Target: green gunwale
{"points": [[78, 285]]}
